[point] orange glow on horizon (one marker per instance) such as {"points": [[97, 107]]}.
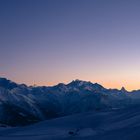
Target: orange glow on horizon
{"points": [[105, 81], [108, 85]]}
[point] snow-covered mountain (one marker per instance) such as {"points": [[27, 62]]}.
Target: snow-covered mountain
{"points": [[21, 104]]}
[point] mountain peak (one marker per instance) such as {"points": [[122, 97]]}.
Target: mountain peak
{"points": [[5, 83], [123, 89], [79, 83], [85, 85]]}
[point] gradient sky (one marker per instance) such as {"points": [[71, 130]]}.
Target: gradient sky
{"points": [[45, 42]]}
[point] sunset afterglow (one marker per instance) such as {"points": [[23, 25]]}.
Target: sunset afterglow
{"points": [[48, 42]]}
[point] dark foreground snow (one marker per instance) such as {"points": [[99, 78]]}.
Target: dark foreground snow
{"points": [[122, 124]]}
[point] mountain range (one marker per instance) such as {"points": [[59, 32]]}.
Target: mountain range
{"points": [[22, 105]]}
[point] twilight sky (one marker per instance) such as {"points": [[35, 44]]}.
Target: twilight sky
{"points": [[45, 42]]}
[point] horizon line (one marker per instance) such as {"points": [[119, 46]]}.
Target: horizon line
{"points": [[65, 83]]}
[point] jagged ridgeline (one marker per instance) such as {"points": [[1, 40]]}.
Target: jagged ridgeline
{"points": [[23, 105]]}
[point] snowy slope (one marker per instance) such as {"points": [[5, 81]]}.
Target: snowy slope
{"points": [[121, 124]]}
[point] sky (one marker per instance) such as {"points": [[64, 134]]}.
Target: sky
{"points": [[45, 42]]}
